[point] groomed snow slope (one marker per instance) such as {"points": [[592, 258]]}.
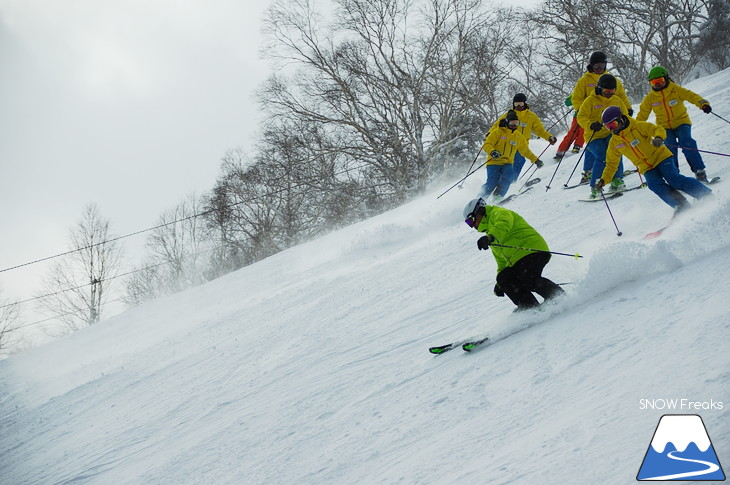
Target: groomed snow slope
{"points": [[312, 366]]}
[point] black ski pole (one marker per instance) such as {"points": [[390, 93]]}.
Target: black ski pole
{"points": [[576, 255], [618, 232], [579, 159], [470, 167], [528, 178], [697, 150], [460, 181], [560, 119], [723, 119], [540, 155]]}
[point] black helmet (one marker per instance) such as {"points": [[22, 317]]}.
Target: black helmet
{"points": [[597, 58], [511, 115], [606, 81], [519, 98]]}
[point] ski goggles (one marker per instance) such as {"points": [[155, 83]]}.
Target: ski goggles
{"points": [[658, 81], [599, 66], [471, 220], [612, 125], [608, 92], [519, 106], [514, 124]]}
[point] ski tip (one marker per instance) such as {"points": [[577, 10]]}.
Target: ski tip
{"points": [[440, 350], [469, 346]]}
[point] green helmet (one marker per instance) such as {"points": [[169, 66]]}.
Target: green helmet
{"points": [[657, 71]]}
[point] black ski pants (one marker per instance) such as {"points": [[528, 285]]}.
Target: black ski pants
{"points": [[519, 281]]}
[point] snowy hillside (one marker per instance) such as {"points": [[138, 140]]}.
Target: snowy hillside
{"points": [[312, 366]]}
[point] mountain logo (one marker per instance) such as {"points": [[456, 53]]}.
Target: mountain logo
{"points": [[680, 450]]}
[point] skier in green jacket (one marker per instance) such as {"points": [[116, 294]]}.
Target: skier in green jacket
{"points": [[519, 267]]}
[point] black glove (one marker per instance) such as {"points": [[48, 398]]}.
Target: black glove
{"points": [[495, 154], [498, 290], [552, 140], [631, 111], [539, 163], [657, 142], [707, 108], [596, 126], [599, 185], [485, 241]]}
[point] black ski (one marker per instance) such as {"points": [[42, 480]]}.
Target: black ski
{"points": [[713, 180], [467, 346], [612, 195], [470, 346], [513, 196]]}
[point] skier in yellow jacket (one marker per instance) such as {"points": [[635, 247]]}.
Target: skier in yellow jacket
{"points": [[587, 83], [643, 143], [666, 99], [589, 117], [529, 124], [501, 145]]}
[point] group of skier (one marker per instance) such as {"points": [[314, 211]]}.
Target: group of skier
{"points": [[603, 116]]}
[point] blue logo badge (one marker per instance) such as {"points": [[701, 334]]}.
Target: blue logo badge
{"points": [[680, 450]]}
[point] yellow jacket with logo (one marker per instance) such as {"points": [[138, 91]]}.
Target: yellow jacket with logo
{"points": [[668, 106], [529, 124], [592, 109], [506, 142], [634, 142], [586, 86]]}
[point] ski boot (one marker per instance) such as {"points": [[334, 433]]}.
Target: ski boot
{"points": [[576, 149], [617, 185], [558, 156], [585, 177], [701, 176], [594, 193]]}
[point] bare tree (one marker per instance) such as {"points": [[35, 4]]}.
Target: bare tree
{"points": [[178, 252], [396, 83], [77, 286], [9, 314], [636, 35]]}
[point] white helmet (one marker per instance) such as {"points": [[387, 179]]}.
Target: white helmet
{"points": [[472, 206]]}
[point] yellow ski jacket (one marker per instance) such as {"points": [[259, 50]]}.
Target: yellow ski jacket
{"points": [[668, 106], [634, 142], [529, 124], [586, 86], [507, 143], [592, 109]]}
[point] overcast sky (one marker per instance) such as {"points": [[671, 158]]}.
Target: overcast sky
{"points": [[129, 104]]}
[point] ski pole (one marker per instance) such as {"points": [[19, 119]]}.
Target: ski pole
{"points": [[618, 232], [547, 187], [560, 119], [697, 150], [470, 167], [723, 119], [528, 178], [579, 159], [576, 255], [460, 181]]}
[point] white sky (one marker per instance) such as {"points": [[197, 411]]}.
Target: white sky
{"points": [[129, 104]]}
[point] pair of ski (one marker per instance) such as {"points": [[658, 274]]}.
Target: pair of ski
{"points": [[656, 234], [466, 346], [581, 184], [613, 195], [527, 187]]}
